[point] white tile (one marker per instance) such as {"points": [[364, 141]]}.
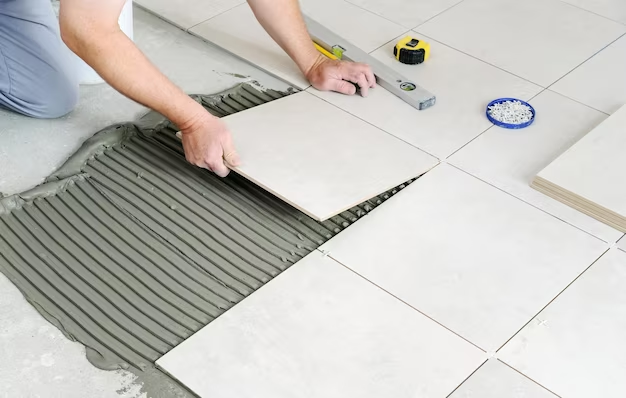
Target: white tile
{"points": [[406, 13], [510, 159], [470, 256], [362, 28], [239, 32], [319, 158], [575, 347], [599, 82], [496, 380], [590, 173], [612, 9], [539, 40], [187, 13], [462, 97], [319, 330]]}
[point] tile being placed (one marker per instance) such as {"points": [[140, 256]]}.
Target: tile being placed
{"points": [[612, 9], [599, 82], [239, 32], [476, 259], [575, 347], [539, 40], [462, 96], [319, 158], [406, 13], [496, 380], [187, 13], [510, 159], [362, 28], [319, 330]]}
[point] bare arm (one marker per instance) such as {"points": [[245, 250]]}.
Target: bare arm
{"points": [[282, 19], [90, 29]]}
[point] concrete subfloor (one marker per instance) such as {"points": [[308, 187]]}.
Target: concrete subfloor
{"points": [[37, 359]]}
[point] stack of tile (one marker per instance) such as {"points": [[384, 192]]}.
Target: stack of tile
{"points": [[589, 176]]}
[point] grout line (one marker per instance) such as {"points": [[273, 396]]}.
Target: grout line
{"points": [[407, 304], [216, 15], [438, 14], [525, 376], [159, 16], [586, 60], [389, 42], [489, 128], [577, 101], [373, 13], [483, 61], [467, 378], [555, 297], [592, 12], [528, 203]]}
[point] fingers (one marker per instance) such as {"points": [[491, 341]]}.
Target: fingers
{"points": [[343, 87], [361, 80], [361, 75]]}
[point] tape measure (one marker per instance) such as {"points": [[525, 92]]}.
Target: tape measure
{"points": [[411, 51]]}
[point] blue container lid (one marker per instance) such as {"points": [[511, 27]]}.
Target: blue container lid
{"points": [[510, 125]]}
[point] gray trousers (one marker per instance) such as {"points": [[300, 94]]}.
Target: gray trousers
{"points": [[36, 73]]}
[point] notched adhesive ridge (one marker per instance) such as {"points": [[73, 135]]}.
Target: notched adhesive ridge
{"points": [[129, 250]]}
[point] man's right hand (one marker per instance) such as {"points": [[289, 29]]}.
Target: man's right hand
{"points": [[208, 144]]}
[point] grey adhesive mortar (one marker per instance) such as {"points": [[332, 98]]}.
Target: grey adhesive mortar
{"points": [[129, 250]]}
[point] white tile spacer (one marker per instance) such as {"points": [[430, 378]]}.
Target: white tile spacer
{"points": [[492, 355], [325, 253]]}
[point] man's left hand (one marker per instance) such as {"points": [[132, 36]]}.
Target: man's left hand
{"points": [[335, 75]]}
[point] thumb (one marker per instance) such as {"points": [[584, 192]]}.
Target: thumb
{"points": [[231, 157], [344, 87]]}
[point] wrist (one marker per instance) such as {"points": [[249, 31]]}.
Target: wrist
{"points": [[310, 61], [194, 117]]}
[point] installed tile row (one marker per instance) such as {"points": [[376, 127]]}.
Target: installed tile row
{"points": [[478, 263]]}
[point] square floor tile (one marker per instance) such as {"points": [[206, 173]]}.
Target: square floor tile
{"points": [[466, 254], [362, 28], [239, 32], [187, 13], [319, 330], [496, 380], [539, 40], [575, 347], [406, 13], [589, 175], [510, 159], [599, 82], [319, 158], [612, 9], [462, 97]]}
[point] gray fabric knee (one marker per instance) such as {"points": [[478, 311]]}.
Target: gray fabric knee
{"points": [[37, 76]]}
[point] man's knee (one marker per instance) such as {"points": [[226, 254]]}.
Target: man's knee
{"points": [[37, 76], [56, 100], [51, 98]]}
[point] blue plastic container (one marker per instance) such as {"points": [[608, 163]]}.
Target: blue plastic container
{"points": [[510, 125]]}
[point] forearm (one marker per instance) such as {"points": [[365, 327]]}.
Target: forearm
{"points": [[121, 64], [282, 19]]}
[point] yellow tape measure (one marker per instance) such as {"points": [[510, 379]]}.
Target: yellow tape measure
{"points": [[411, 51]]}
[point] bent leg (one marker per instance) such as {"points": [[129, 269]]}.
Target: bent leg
{"points": [[36, 74]]}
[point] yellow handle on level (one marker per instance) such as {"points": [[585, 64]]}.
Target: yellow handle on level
{"points": [[324, 51]]}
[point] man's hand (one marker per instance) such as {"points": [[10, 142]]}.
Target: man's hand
{"points": [[208, 144], [333, 75]]}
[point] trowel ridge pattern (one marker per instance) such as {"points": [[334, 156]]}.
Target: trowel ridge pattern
{"points": [[130, 250]]}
